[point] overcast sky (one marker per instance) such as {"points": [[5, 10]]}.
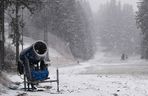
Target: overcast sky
{"points": [[95, 3]]}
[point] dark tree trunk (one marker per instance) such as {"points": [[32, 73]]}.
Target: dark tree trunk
{"points": [[17, 32], [1, 34]]}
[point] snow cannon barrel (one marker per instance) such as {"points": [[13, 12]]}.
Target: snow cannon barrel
{"points": [[35, 52]]}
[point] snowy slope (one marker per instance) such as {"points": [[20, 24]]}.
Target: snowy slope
{"points": [[96, 77], [76, 84], [86, 80]]}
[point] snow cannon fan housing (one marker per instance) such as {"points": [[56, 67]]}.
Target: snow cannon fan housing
{"points": [[34, 53]]}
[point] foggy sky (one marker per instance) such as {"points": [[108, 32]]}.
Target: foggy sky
{"points": [[95, 3]]}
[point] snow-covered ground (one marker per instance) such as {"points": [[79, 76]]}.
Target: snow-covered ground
{"points": [[94, 78], [102, 76]]}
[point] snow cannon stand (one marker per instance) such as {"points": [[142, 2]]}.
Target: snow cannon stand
{"points": [[32, 65]]}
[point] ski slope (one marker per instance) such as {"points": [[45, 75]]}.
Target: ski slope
{"points": [[101, 76], [104, 75]]}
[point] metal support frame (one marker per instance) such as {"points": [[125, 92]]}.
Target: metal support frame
{"points": [[57, 80], [28, 82]]}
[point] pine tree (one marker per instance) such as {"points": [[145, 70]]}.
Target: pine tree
{"points": [[15, 6], [142, 21]]}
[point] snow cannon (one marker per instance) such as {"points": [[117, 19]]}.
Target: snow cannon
{"points": [[32, 61], [33, 64]]}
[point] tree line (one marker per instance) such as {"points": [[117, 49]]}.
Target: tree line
{"points": [[116, 28]]}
